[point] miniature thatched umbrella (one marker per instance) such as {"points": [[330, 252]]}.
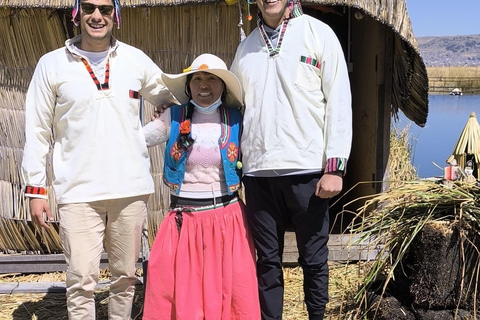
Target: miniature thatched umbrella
{"points": [[468, 145]]}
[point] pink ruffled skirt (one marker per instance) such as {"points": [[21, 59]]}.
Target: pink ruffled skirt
{"points": [[205, 272]]}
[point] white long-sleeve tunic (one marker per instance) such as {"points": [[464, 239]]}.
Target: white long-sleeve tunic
{"points": [[297, 102], [99, 149]]}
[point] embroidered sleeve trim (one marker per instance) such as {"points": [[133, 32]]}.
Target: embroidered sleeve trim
{"points": [[336, 164], [310, 61], [36, 190], [134, 94]]}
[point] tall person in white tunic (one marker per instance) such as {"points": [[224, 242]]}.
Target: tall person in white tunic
{"points": [[296, 143]]}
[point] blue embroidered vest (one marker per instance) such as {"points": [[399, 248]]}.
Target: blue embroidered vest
{"points": [[176, 158]]}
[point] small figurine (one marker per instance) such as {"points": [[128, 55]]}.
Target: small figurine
{"points": [[469, 177]]}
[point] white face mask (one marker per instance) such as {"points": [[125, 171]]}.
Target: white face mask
{"points": [[210, 109]]}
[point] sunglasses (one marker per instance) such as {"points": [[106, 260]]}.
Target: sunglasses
{"points": [[90, 8]]}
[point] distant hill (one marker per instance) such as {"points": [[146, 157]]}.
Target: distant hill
{"points": [[450, 51]]}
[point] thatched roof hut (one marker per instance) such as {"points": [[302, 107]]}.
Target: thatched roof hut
{"points": [[386, 69], [468, 146]]}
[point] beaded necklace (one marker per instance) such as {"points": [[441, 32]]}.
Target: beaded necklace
{"points": [[100, 86], [295, 11]]}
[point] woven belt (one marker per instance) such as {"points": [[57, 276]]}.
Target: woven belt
{"points": [[189, 204]]}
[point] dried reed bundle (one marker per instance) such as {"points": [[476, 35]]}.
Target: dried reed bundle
{"points": [[400, 166], [12, 98], [13, 124], [401, 213], [6, 198], [344, 280], [24, 236], [53, 305], [410, 93], [10, 161], [8, 235], [13, 237], [28, 34]]}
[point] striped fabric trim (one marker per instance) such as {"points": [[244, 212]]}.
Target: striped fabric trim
{"points": [[225, 120], [336, 164], [310, 61], [117, 16], [296, 10], [76, 13], [271, 50], [94, 77], [36, 190], [134, 94]]}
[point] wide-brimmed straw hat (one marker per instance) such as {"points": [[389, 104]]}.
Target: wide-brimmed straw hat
{"points": [[207, 63]]}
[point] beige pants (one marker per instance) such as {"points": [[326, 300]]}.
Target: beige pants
{"points": [[85, 228]]}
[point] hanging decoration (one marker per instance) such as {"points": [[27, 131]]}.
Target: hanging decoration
{"points": [[240, 23]]}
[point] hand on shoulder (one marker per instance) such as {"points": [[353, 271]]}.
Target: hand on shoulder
{"points": [[160, 109]]}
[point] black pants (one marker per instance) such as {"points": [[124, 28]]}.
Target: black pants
{"points": [[272, 204]]}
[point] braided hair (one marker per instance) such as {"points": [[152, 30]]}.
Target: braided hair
{"points": [[185, 140]]}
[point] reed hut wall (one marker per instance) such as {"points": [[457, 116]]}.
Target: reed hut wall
{"points": [[387, 74], [25, 36]]}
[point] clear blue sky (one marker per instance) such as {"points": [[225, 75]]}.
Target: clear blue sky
{"points": [[444, 17]]}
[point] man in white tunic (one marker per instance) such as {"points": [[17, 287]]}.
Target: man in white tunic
{"points": [[84, 98], [296, 142]]}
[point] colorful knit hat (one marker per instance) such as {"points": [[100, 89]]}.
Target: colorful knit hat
{"points": [[117, 18]]}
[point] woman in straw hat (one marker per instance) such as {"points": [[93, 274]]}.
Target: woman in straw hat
{"points": [[202, 261]]}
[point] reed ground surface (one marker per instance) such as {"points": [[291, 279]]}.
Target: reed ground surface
{"points": [[344, 280]]}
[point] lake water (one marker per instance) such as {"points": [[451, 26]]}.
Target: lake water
{"points": [[447, 116]]}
